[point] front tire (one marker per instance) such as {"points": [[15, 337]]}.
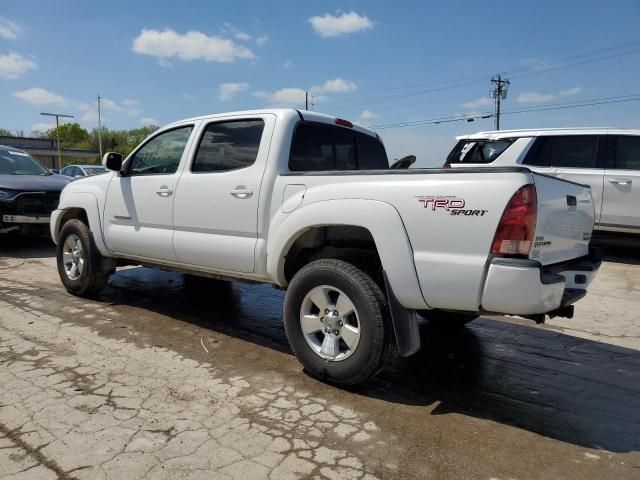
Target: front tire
{"points": [[81, 267], [337, 322]]}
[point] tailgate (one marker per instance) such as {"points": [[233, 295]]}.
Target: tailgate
{"points": [[565, 220]]}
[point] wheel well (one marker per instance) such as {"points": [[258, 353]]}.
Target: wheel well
{"points": [[353, 244], [70, 214]]}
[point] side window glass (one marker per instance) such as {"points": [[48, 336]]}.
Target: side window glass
{"points": [[628, 152], [574, 151], [311, 149], [228, 146], [162, 154]]}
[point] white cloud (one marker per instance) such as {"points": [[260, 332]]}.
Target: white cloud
{"points": [[287, 64], [480, 102], [91, 118], [228, 91], [146, 121], [284, 97], [535, 63], [337, 85], [192, 45], [570, 91], [342, 23], [39, 96], [231, 29], [9, 30], [537, 97], [130, 103], [108, 104], [367, 115], [14, 65], [262, 40], [42, 127]]}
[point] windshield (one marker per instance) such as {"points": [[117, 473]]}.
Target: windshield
{"points": [[17, 162], [95, 170]]}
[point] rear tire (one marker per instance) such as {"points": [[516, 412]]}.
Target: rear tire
{"points": [[337, 322], [446, 319], [83, 270]]}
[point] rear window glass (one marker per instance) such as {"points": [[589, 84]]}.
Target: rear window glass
{"points": [[478, 151], [628, 153], [317, 147]]}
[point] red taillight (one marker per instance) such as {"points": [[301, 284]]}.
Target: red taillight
{"points": [[446, 165], [517, 226], [344, 123]]}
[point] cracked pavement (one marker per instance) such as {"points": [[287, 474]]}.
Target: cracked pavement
{"points": [[152, 381]]}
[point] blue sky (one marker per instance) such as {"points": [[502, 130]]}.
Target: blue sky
{"points": [[375, 62]]}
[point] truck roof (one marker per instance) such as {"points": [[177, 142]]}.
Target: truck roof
{"points": [[280, 112], [537, 132]]}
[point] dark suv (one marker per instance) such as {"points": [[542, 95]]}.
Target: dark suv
{"points": [[28, 193]]}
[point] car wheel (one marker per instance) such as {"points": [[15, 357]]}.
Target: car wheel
{"points": [[337, 322], [81, 267], [446, 319]]}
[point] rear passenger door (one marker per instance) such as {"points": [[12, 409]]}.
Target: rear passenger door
{"points": [[620, 207], [578, 158], [215, 211]]}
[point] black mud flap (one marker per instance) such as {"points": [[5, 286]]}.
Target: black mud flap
{"points": [[405, 325]]}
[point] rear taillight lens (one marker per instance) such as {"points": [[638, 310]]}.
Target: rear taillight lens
{"points": [[517, 226], [446, 165]]}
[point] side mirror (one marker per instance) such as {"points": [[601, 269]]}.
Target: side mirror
{"points": [[54, 170], [113, 161]]}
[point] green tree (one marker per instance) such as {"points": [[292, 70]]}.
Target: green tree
{"points": [[5, 133], [72, 135]]}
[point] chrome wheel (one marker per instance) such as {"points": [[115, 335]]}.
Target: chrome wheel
{"points": [[330, 323], [73, 257]]}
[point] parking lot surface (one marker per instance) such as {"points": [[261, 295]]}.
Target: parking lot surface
{"points": [[152, 380]]}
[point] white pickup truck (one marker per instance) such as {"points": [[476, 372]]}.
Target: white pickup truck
{"points": [[308, 203]]}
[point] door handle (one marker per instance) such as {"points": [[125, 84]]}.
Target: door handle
{"points": [[165, 191], [242, 192], [621, 181]]}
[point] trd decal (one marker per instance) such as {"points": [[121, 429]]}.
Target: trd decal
{"points": [[452, 204]]}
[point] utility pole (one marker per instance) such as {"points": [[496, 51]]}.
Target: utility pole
{"points": [[58, 115], [306, 100], [99, 129], [499, 93]]}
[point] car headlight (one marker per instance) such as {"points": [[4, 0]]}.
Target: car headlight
{"points": [[7, 194]]}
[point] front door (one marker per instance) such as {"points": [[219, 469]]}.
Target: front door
{"points": [[622, 184], [138, 214], [216, 203]]}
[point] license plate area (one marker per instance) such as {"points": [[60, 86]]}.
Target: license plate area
{"points": [[24, 219]]}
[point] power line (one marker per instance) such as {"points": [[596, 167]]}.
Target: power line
{"points": [[533, 108], [477, 80]]}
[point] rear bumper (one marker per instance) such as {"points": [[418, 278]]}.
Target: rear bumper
{"points": [[526, 287]]}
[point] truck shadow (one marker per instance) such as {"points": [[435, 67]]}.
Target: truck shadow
{"points": [[570, 389]]}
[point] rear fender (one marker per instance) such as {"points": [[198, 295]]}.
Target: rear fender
{"points": [[381, 219]]}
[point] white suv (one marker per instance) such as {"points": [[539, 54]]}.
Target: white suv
{"points": [[606, 159]]}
